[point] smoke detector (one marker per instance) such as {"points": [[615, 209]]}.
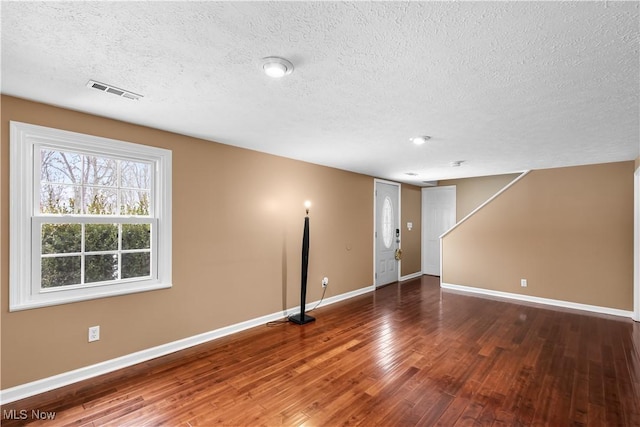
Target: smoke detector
{"points": [[103, 87]]}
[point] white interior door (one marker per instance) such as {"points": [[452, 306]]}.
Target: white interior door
{"points": [[438, 215], [387, 232]]}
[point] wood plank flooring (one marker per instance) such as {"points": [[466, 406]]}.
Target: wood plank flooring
{"points": [[408, 354]]}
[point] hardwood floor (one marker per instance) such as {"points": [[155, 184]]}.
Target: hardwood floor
{"points": [[407, 354]]}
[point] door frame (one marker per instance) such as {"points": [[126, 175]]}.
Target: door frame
{"points": [[377, 181], [636, 246]]}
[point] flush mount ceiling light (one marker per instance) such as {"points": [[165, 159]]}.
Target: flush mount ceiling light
{"points": [[419, 140], [103, 87], [276, 67]]}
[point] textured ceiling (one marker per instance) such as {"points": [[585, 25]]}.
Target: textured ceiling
{"points": [[504, 86]]}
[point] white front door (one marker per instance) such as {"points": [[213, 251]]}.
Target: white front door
{"points": [[438, 215], [387, 232]]}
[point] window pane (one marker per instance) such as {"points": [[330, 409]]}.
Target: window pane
{"points": [[61, 238], [387, 222], [100, 171], [60, 167], [100, 237], [136, 265], [100, 201], [60, 271], [136, 175], [60, 199], [134, 202], [100, 268], [136, 236]]}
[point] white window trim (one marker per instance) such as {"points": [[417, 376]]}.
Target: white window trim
{"points": [[24, 137]]}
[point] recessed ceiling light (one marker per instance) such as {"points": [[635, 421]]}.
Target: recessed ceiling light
{"points": [[411, 173], [276, 67], [419, 140]]}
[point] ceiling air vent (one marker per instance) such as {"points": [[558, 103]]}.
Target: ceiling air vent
{"points": [[103, 87]]}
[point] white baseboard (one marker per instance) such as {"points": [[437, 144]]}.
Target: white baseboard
{"points": [[411, 276], [539, 300], [46, 384]]}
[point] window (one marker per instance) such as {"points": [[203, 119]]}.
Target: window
{"points": [[90, 217], [387, 222]]}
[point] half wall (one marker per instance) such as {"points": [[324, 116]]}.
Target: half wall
{"points": [[568, 231]]}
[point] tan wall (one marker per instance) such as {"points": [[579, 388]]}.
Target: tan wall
{"points": [[568, 231], [237, 232], [473, 192], [411, 197]]}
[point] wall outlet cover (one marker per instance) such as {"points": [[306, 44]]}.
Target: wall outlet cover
{"points": [[94, 333]]}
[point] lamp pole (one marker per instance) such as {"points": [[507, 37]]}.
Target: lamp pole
{"points": [[302, 318]]}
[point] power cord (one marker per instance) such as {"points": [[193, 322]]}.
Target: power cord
{"points": [[286, 319], [278, 322], [324, 290]]}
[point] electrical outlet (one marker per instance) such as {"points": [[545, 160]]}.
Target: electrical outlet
{"points": [[325, 282], [523, 283], [94, 333]]}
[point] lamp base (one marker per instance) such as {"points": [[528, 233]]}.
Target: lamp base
{"points": [[296, 318]]}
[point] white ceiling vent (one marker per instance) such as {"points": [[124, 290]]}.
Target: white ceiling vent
{"points": [[113, 90]]}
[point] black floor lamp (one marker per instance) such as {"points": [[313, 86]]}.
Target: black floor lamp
{"points": [[302, 318]]}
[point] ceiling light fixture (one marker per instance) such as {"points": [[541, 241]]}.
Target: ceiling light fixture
{"points": [[276, 67], [419, 140], [456, 163]]}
